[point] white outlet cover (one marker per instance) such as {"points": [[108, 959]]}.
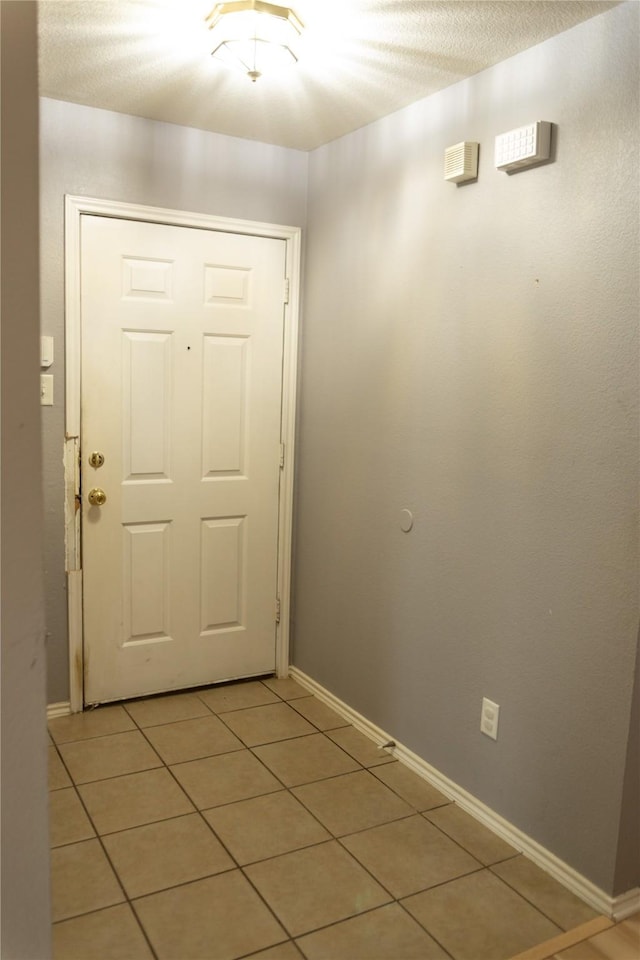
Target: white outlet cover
{"points": [[489, 718]]}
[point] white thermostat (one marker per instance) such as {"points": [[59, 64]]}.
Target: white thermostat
{"points": [[523, 147]]}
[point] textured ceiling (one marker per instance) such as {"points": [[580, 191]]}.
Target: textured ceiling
{"points": [[361, 60]]}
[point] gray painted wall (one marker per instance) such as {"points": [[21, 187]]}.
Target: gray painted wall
{"points": [[467, 353], [24, 852], [470, 354], [96, 153]]}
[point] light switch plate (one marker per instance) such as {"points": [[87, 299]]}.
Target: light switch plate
{"points": [[46, 389]]}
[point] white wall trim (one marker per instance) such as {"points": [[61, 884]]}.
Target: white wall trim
{"points": [[626, 904], [616, 907], [75, 207], [62, 709], [76, 660], [72, 490]]}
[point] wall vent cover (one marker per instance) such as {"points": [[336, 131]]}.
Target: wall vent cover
{"points": [[461, 162]]}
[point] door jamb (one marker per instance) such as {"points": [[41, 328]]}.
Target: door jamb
{"points": [[75, 207]]}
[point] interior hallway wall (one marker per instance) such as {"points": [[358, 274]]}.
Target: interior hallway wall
{"points": [[24, 850], [470, 353], [110, 156]]}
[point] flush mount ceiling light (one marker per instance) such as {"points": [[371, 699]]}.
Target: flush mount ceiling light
{"points": [[255, 36]]}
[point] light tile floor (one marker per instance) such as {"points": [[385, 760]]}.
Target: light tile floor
{"points": [[250, 820]]}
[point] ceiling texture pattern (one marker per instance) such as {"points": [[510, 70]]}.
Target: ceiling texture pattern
{"points": [[359, 60]]}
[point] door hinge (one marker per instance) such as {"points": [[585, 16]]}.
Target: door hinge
{"points": [[281, 455], [277, 609], [287, 289]]}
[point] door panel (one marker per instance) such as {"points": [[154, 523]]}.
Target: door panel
{"points": [[225, 383], [182, 340]]}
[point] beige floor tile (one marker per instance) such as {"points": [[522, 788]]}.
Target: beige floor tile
{"points": [[409, 855], [387, 933], [267, 724], [68, 822], [192, 739], [224, 779], [161, 855], [310, 888], [133, 800], [92, 723], [549, 896], [318, 713], [481, 843], [412, 788], [237, 696], [58, 776], [354, 801], [81, 880], [361, 748], [287, 688], [621, 942], [110, 756], [265, 827], [305, 759], [475, 918], [184, 923], [284, 951], [110, 934], [548, 949], [166, 709]]}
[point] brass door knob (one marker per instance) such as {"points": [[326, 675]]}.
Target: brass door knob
{"points": [[97, 497]]}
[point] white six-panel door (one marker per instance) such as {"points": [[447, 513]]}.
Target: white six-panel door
{"points": [[182, 341]]}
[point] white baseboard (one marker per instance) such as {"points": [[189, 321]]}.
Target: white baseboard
{"points": [[616, 907], [626, 904], [62, 709]]}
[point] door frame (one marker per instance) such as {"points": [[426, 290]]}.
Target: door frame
{"points": [[75, 208]]}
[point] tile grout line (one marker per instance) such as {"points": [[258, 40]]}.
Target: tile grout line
{"points": [[527, 900], [228, 851], [429, 934], [199, 812], [422, 813], [128, 900], [115, 873], [351, 856], [416, 811], [289, 791], [381, 906], [131, 900], [279, 920], [266, 859], [486, 867], [338, 839]]}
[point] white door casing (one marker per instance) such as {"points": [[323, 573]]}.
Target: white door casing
{"points": [[184, 344]]}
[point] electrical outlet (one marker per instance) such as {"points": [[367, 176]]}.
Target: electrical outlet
{"points": [[489, 718]]}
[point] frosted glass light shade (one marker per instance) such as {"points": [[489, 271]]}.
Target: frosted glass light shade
{"points": [[255, 36]]}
